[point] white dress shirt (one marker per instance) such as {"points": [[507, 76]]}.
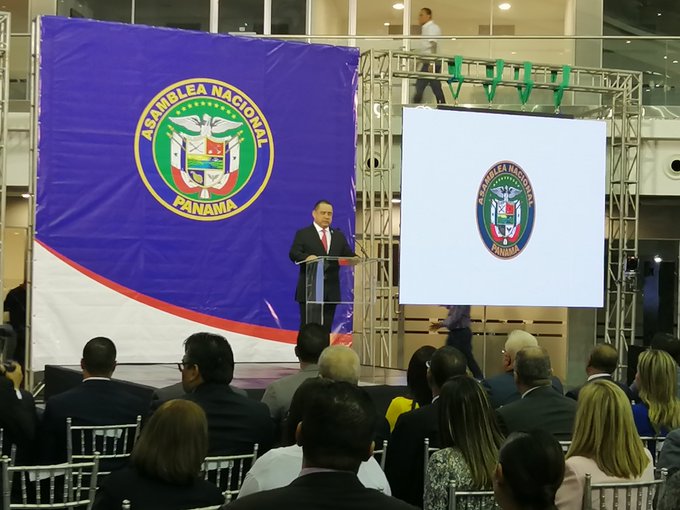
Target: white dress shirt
{"points": [[432, 29], [328, 235]]}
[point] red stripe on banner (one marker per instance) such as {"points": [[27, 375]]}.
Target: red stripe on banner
{"points": [[277, 335], [179, 182]]}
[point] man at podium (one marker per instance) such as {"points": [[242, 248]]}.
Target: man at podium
{"points": [[319, 240]]}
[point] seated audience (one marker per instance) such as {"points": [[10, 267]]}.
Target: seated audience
{"points": [[18, 418], [529, 472], [280, 466], [165, 464], [670, 344], [470, 439], [336, 437], [403, 466], [540, 407], [502, 388], [311, 340], [605, 445], [420, 393], [602, 364], [235, 422], [658, 411], [96, 401], [669, 456], [670, 494]]}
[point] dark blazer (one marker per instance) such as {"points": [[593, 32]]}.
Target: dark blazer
{"points": [[307, 242], [19, 422], [95, 402], [606, 377], [405, 462], [502, 389], [544, 409], [161, 395], [235, 422], [336, 490], [151, 494]]}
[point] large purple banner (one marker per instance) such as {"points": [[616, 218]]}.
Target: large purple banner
{"points": [[174, 169]]}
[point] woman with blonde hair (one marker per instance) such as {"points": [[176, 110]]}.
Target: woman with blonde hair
{"points": [[659, 410], [605, 444], [470, 439]]}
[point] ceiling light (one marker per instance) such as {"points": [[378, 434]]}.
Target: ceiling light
{"points": [[504, 6], [658, 14], [387, 23], [675, 61], [658, 259], [628, 41], [396, 200], [25, 195], [398, 6], [513, 53], [665, 57]]}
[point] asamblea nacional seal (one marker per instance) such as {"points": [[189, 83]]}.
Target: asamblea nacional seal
{"points": [[505, 209], [204, 149]]}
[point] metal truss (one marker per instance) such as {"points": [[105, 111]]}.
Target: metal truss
{"points": [[620, 94], [4, 110]]}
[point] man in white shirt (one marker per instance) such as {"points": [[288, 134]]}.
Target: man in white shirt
{"points": [[428, 47]]}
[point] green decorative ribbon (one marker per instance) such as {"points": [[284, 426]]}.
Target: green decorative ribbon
{"points": [[456, 72], [526, 89], [558, 93], [496, 77]]}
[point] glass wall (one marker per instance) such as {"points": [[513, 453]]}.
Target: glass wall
{"points": [[241, 16], [194, 15], [104, 10], [288, 17]]}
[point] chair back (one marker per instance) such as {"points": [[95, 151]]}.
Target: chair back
{"points": [[622, 495], [127, 506], [565, 446], [471, 500], [68, 485], [381, 455], [654, 445], [113, 443], [12, 450], [427, 451], [227, 472]]}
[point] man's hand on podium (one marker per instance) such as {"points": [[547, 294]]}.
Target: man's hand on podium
{"points": [[311, 257]]}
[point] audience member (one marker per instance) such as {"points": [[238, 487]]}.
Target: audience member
{"points": [[470, 439], [235, 422], [18, 417], [670, 494], [658, 410], [312, 339], [669, 456], [670, 344], [280, 466], [601, 365], [420, 393], [96, 401], [529, 472], [540, 407], [15, 304], [502, 388], [403, 467], [336, 437], [605, 445], [165, 464]]}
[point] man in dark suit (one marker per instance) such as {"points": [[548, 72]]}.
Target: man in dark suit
{"points": [[502, 388], [336, 436], [319, 240], [540, 406], [96, 401], [235, 422], [405, 456], [18, 417], [602, 364]]}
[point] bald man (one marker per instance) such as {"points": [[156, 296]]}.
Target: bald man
{"points": [[602, 364]]}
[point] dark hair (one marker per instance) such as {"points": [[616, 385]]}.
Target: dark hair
{"points": [[338, 425], [322, 202], [604, 357], [213, 356], [311, 340], [667, 342], [301, 399], [427, 11], [416, 375], [99, 356], [173, 443], [447, 362], [533, 468], [532, 366]]}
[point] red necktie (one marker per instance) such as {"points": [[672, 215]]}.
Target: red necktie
{"points": [[324, 241]]}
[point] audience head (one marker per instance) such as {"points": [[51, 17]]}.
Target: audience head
{"points": [[529, 472], [604, 359], [312, 339], [517, 340], [339, 363], [667, 342], [532, 368], [467, 422], [301, 399], [416, 375], [208, 358], [338, 424], [603, 407], [173, 443], [446, 362], [99, 358], [657, 383]]}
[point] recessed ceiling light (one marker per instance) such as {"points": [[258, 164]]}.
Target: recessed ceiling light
{"points": [[675, 61], [398, 6], [665, 57], [25, 195], [513, 53], [658, 259], [387, 23], [504, 6], [628, 41]]}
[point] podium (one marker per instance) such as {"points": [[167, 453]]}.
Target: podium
{"points": [[333, 281]]}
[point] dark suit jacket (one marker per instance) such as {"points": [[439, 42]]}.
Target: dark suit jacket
{"points": [[502, 389], [235, 422], [151, 494], [19, 421], [161, 395], [405, 462], [543, 409], [321, 491], [307, 242], [607, 377], [96, 402]]}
